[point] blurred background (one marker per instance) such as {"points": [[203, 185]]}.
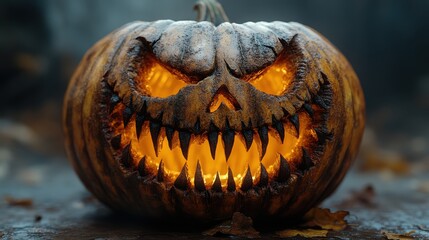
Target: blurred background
{"points": [[42, 41], [387, 42]]}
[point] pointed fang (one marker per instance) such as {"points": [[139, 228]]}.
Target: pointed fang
{"points": [[199, 179], [247, 181], [217, 187], [231, 183], [228, 141], [160, 175], [263, 135], [126, 115], [169, 131], [126, 158], [306, 160], [213, 138], [185, 138], [263, 180], [295, 121], [141, 168], [182, 180], [154, 128], [278, 126], [284, 170], [139, 124]]}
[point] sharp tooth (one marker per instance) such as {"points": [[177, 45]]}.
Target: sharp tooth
{"points": [[126, 158], [278, 126], [319, 101], [306, 162], [140, 117], [116, 142], [141, 168], [231, 182], [263, 135], [247, 181], [247, 134], [114, 100], [126, 115], [213, 138], [197, 127], [182, 180], [284, 170], [263, 180], [139, 124], [217, 187], [199, 179], [308, 109], [228, 140], [295, 121], [322, 135], [160, 175], [169, 131], [154, 128], [185, 138]]}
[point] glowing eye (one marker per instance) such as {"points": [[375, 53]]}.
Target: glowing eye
{"points": [[156, 80], [274, 79]]}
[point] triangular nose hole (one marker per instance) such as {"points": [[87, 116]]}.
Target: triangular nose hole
{"points": [[223, 96]]}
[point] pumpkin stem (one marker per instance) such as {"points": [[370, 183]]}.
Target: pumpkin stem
{"points": [[210, 10]]}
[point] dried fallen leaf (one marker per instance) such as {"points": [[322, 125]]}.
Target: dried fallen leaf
{"points": [[239, 226], [363, 197], [23, 202], [307, 233], [395, 236], [325, 219]]}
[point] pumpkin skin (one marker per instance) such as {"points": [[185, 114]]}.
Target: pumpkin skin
{"points": [[224, 136]]}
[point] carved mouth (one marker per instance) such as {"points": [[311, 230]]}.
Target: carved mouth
{"points": [[220, 159]]}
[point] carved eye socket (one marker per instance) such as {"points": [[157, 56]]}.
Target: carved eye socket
{"points": [[274, 79], [156, 80]]}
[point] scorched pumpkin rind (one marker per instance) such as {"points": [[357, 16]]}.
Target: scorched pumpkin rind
{"points": [[324, 88]]}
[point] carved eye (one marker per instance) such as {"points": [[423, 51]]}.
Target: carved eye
{"points": [[274, 79], [156, 80]]}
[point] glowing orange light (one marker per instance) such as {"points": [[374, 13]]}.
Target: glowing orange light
{"points": [[157, 81], [199, 152]]}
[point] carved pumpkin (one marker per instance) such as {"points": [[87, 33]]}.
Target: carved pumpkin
{"points": [[188, 119]]}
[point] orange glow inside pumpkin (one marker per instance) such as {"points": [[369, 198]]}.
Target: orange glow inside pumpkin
{"points": [[157, 81], [274, 79], [199, 151]]}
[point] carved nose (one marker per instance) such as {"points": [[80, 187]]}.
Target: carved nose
{"points": [[223, 96]]}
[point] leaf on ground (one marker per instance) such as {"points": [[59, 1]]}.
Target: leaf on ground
{"points": [[363, 197], [395, 236], [239, 226], [307, 233], [325, 219], [23, 202]]}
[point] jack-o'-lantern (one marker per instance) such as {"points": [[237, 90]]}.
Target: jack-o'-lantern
{"points": [[196, 120]]}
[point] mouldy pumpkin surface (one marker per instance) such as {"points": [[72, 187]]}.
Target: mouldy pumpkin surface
{"points": [[191, 120]]}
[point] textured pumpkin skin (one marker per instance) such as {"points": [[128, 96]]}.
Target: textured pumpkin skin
{"points": [[229, 52]]}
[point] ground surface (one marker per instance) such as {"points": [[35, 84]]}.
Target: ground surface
{"points": [[61, 208]]}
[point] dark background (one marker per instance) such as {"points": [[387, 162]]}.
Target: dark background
{"points": [[42, 41]]}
